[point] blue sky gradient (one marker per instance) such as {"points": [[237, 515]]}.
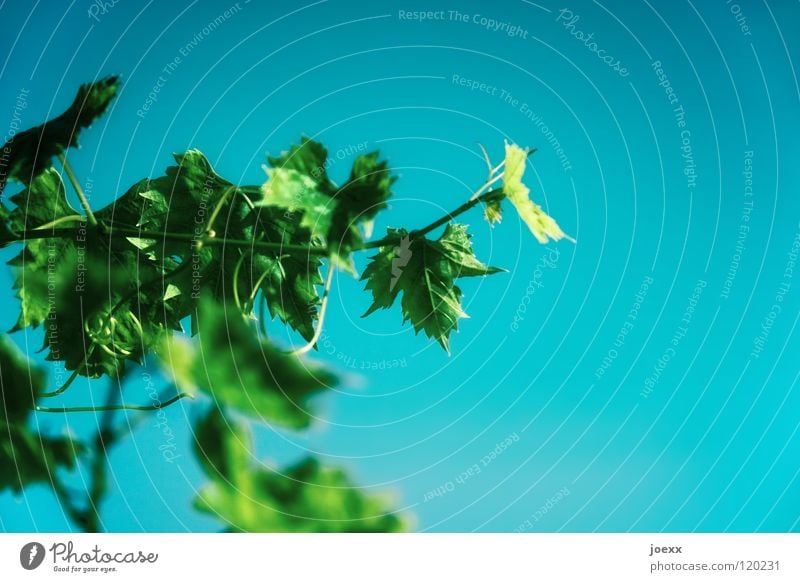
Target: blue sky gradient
{"points": [[638, 378]]}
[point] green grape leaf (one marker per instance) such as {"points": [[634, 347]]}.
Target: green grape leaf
{"points": [[288, 281], [425, 271], [28, 153], [240, 370], [184, 201], [298, 183], [306, 497], [540, 223], [26, 457], [100, 307], [30, 280], [297, 192], [289, 285], [95, 313], [358, 202], [309, 158], [44, 201], [139, 207]]}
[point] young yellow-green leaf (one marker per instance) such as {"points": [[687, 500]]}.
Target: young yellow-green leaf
{"points": [[306, 497], [28, 153], [425, 271], [541, 225], [240, 370], [298, 183]]}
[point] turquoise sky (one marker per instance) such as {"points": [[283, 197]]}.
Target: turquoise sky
{"points": [[643, 379]]}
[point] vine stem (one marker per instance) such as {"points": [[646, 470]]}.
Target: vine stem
{"points": [[78, 190], [214, 213], [120, 232], [323, 308], [73, 376], [215, 240], [496, 194], [112, 407], [64, 387], [62, 220]]}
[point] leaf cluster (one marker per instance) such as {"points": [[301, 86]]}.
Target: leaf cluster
{"points": [[186, 266]]}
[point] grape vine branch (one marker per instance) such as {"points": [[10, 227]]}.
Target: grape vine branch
{"points": [[177, 277]]}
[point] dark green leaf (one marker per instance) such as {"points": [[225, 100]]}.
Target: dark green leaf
{"points": [[299, 193], [99, 306], [26, 457], [425, 271], [358, 202], [40, 203], [298, 182], [183, 201], [28, 153], [308, 158], [20, 383]]}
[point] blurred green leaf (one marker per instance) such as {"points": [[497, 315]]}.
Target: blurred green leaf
{"points": [[242, 371], [25, 456], [20, 383], [306, 497], [222, 446]]}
